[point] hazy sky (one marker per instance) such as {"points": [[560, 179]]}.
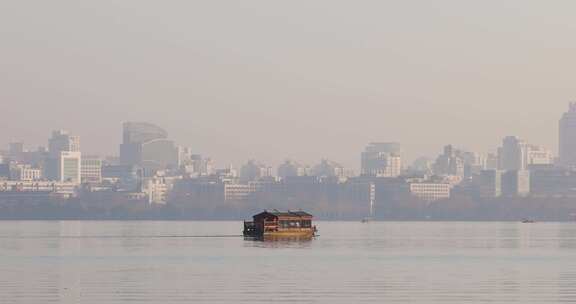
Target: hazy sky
{"points": [[276, 79]]}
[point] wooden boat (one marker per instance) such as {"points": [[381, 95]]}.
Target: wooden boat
{"points": [[274, 224]]}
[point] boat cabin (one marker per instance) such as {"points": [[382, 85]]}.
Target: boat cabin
{"points": [[277, 223]]}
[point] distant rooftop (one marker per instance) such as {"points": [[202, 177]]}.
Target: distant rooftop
{"points": [[277, 213]]}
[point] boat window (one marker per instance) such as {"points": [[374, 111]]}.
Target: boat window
{"points": [[290, 224]]}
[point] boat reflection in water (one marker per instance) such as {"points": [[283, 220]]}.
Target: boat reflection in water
{"points": [[280, 226]]}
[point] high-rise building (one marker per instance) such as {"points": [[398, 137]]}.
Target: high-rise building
{"points": [[146, 145], [62, 141], [327, 168], [449, 163], [489, 183], [567, 137], [64, 158], [290, 169], [513, 154], [15, 150], [382, 159], [252, 171], [491, 161], [69, 167], [516, 183]]}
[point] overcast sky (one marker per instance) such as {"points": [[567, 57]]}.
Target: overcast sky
{"points": [[299, 79]]}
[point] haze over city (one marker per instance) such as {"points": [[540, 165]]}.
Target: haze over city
{"points": [[325, 151], [300, 80]]}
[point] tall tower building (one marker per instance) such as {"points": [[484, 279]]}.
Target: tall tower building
{"points": [[146, 145], [64, 161], [382, 159], [567, 137], [513, 154], [61, 141]]}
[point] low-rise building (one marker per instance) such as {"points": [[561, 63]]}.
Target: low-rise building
{"points": [[91, 170], [25, 173], [430, 192], [14, 187], [157, 189], [238, 192]]}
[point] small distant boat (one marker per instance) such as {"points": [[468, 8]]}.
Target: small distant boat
{"points": [[367, 220], [528, 221], [277, 224]]}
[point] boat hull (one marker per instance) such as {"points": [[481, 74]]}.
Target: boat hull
{"points": [[281, 234]]}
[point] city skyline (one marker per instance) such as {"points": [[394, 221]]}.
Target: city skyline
{"points": [[316, 82], [408, 156], [326, 151]]}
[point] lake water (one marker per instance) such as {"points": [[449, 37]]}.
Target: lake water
{"points": [[377, 262]]}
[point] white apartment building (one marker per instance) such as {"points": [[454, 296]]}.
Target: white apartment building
{"points": [[157, 191], [38, 186], [430, 191], [158, 187], [69, 167], [238, 192], [26, 173], [538, 155]]}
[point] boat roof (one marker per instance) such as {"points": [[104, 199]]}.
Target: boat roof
{"points": [[288, 213]]}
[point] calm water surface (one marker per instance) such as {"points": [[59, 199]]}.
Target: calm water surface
{"points": [[392, 262]]}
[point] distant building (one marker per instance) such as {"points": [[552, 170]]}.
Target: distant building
{"points": [[5, 171], [157, 189], [513, 154], [290, 168], [238, 192], [492, 162], [16, 151], [61, 141], [423, 165], [146, 145], [65, 168], [252, 171], [516, 183], [449, 163], [327, 168], [567, 137], [25, 173], [91, 170], [126, 177], [537, 156], [382, 159], [64, 158], [69, 167], [489, 183], [429, 191], [23, 188], [553, 182]]}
